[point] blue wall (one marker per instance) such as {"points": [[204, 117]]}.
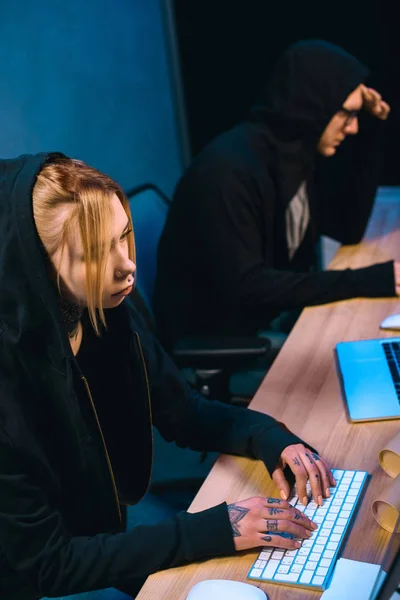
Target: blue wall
{"points": [[90, 78]]}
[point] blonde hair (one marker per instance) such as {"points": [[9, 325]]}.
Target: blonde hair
{"points": [[68, 195]]}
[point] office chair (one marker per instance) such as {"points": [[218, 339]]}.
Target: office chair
{"points": [[211, 360]]}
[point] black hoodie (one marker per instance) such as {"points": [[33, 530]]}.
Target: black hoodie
{"points": [[223, 262], [75, 432]]}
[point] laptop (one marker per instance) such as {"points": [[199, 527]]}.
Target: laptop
{"points": [[369, 371]]}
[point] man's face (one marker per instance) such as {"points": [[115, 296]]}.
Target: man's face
{"points": [[342, 124]]}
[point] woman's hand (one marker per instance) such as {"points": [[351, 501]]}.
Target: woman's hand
{"points": [[257, 522], [305, 465]]}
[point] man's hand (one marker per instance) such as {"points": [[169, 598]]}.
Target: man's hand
{"points": [[258, 521], [397, 277], [374, 104], [306, 465]]}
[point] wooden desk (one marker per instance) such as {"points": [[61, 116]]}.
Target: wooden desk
{"points": [[302, 389]]}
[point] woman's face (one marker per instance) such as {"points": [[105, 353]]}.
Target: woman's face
{"points": [[120, 270]]}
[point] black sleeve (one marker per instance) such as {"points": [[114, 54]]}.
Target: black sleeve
{"points": [[234, 251], [39, 549], [182, 415], [346, 183]]}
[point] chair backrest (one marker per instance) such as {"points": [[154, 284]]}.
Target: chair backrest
{"points": [[149, 209]]}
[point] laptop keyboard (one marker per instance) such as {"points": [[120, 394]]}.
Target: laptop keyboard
{"points": [[392, 355], [311, 566]]}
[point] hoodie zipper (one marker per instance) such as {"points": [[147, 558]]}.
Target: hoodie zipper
{"points": [[105, 448], [150, 413]]}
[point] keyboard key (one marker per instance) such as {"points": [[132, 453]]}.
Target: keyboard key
{"points": [[277, 555], [346, 481], [296, 569], [325, 562], [318, 519], [304, 551], [307, 543], [260, 564], [265, 555], [322, 540], [332, 546], [328, 554], [322, 571], [359, 476], [338, 529], [291, 577], [311, 565], [334, 510], [330, 517], [314, 556], [356, 485], [291, 552], [306, 577], [293, 501], [283, 569], [287, 560], [318, 548], [348, 506], [318, 580], [337, 474], [256, 573], [270, 569], [300, 560], [334, 538], [344, 514], [341, 522]]}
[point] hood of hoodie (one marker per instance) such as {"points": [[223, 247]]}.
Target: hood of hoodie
{"points": [[307, 86], [28, 299]]}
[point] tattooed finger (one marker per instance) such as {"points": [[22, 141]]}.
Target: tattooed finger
{"points": [[309, 458], [266, 538], [296, 461], [271, 525], [275, 511], [315, 456]]}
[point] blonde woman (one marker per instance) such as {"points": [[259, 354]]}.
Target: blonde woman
{"points": [[82, 382]]}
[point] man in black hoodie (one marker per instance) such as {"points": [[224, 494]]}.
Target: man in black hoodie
{"points": [[239, 245]]}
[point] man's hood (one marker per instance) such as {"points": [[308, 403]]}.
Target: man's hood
{"points": [[28, 299], [307, 86]]}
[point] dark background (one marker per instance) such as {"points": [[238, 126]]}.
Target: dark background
{"points": [[227, 48]]}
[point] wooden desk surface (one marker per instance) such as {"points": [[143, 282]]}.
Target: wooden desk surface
{"points": [[302, 389]]}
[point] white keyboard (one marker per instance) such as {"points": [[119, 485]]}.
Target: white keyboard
{"points": [[311, 566]]}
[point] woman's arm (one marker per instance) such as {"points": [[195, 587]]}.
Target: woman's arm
{"points": [[38, 546]]}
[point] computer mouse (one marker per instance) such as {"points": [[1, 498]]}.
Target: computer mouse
{"points": [[391, 322], [223, 589]]}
